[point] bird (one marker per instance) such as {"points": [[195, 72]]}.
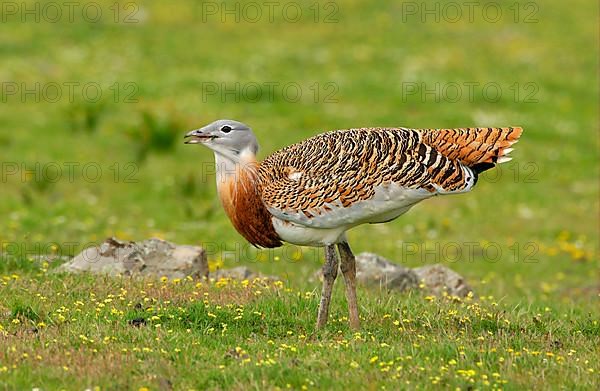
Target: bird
{"points": [[312, 192]]}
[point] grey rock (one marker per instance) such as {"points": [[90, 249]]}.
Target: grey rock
{"points": [[239, 273], [152, 257], [375, 270], [438, 278]]}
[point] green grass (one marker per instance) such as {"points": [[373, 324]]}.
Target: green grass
{"points": [[255, 334], [540, 210]]}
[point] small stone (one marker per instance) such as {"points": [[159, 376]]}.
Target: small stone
{"points": [[137, 322], [239, 273], [438, 278], [373, 269]]}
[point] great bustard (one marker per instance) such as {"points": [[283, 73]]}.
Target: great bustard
{"points": [[312, 192]]}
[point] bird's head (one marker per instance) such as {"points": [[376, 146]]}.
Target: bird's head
{"points": [[225, 137]]}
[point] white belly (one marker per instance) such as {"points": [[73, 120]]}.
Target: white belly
{"points": [[388, 202], [307, 236]]}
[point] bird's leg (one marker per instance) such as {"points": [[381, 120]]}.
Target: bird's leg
{"points": [[330, 269], [348, 266]]}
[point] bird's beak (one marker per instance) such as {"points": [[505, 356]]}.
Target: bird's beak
{"points": [[197, 136]]}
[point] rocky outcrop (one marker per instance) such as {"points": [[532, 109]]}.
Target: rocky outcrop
{"points": [[152, 257], [159, 258], [375, 270]]}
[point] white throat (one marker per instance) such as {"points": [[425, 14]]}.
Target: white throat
{"points": [[228, 164]]}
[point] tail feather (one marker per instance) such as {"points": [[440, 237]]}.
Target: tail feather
{"points": [[478, 148]]}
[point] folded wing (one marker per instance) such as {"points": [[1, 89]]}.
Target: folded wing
{"points": [[372, 175]]}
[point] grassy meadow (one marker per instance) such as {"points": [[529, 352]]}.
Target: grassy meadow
{"points": [[94, 105]]}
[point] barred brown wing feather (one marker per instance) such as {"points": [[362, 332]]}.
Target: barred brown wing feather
{"points": [[357, 176], [473, 146]]}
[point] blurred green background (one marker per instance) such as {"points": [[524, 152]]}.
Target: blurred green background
{"points": [[355, 63]]}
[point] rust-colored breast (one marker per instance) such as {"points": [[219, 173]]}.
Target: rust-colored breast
{"points": [[240, 195]]}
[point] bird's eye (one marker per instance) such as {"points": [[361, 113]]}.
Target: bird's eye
{"points": [[226, 129]]}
